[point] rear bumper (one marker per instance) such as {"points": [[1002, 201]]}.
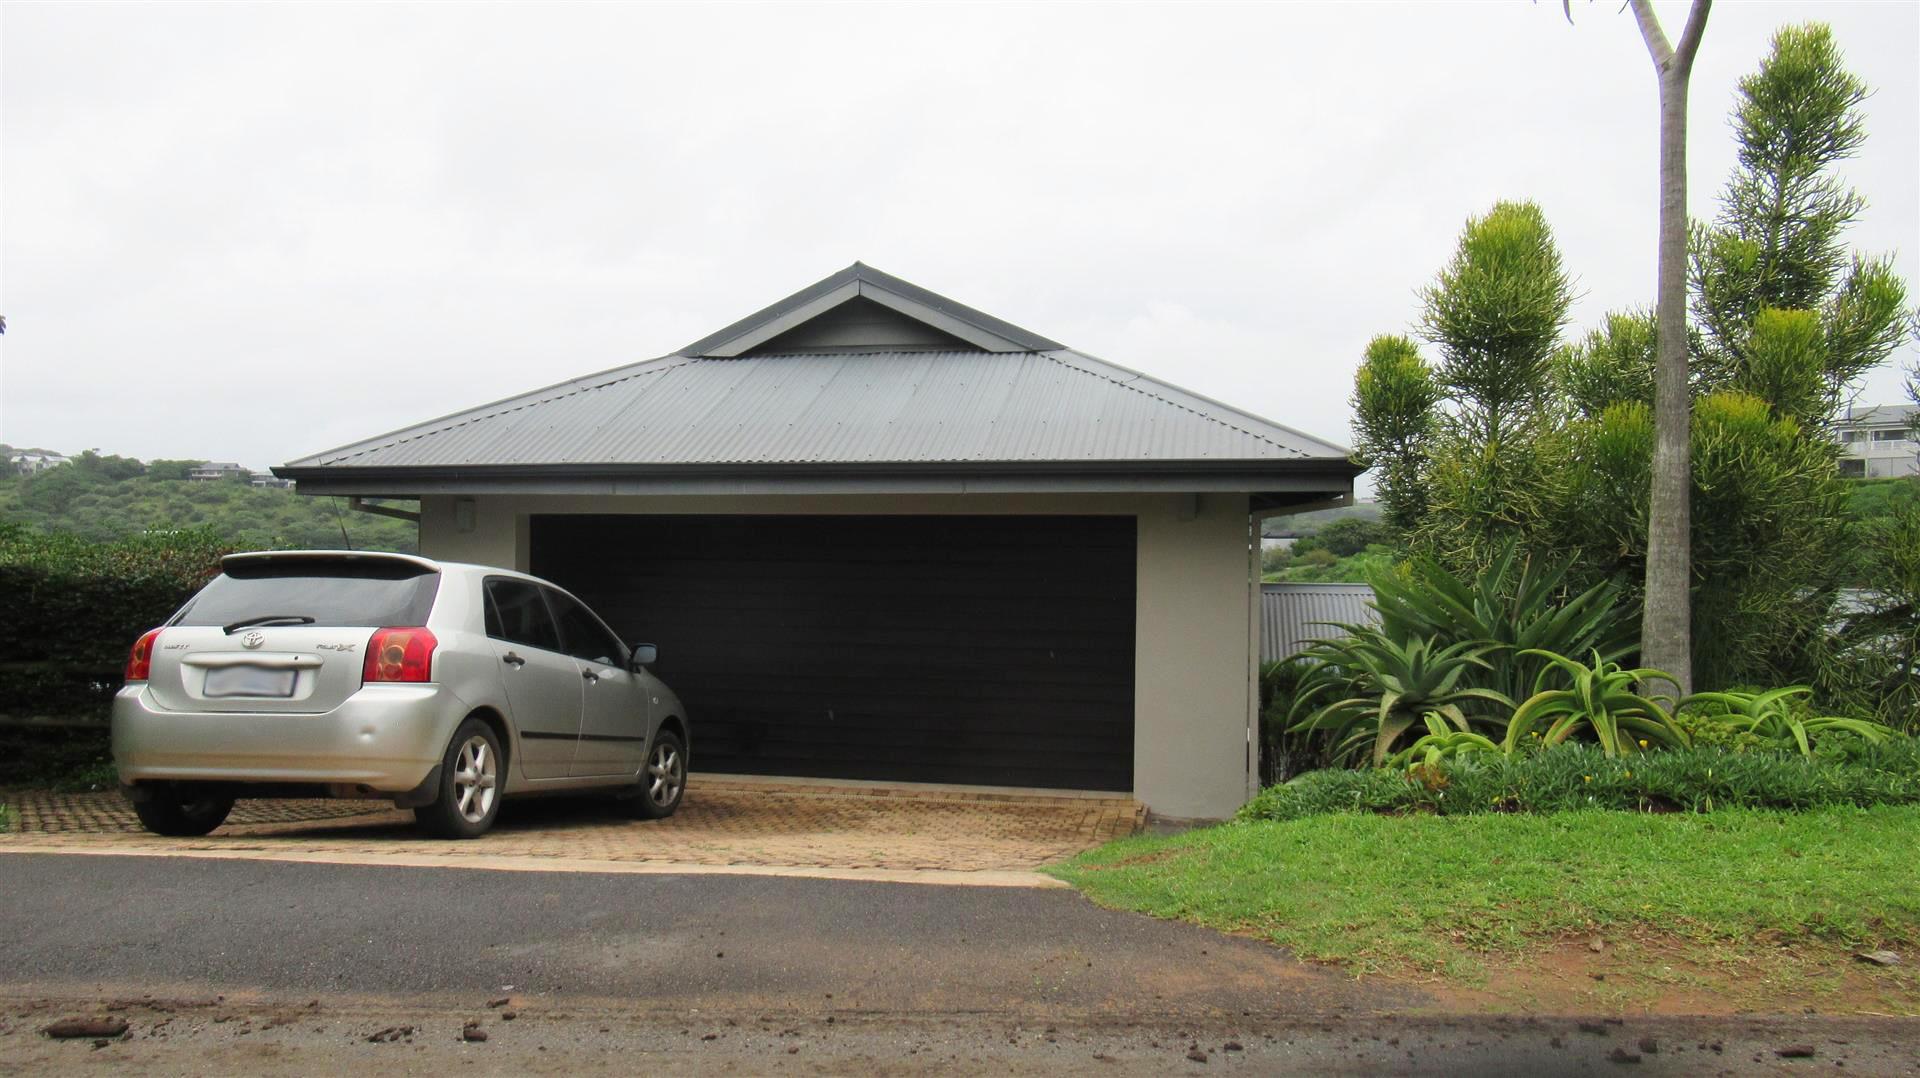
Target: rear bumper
{"points": [[384, 738]]}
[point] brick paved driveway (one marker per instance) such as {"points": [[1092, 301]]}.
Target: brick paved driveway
{"points": [[722, 822]]}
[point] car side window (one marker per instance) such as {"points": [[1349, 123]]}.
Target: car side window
{"points": [[581, 634], [516, 611]]}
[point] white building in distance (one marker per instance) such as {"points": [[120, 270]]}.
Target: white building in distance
{"points": [[1878, 442]]}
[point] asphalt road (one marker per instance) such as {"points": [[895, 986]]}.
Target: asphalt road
{"points": [[253, 966], [669, 942]]}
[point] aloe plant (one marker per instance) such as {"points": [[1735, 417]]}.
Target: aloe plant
{"points": [[1517, 602], [1772, 717], [1390, 686], [1601, 697], [1441, 742]]}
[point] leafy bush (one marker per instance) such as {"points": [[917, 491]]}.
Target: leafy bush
{"points": [[1281, 757], [1312, 569], [1346, 537], [1870, 666], [1581, 776]]}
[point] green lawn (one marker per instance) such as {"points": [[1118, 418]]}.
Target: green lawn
{"points": [[1452, 894]]}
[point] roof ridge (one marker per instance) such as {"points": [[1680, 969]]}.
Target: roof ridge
{"points": [[859, 279], [502, 406]]}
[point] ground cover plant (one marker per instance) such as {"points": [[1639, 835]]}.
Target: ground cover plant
{"points": [[1579, 776]]}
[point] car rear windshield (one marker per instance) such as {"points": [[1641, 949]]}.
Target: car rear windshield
{"points": [[358, 593]]}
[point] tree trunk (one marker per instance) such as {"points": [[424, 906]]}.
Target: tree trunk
{"points": [[1666, 624]]}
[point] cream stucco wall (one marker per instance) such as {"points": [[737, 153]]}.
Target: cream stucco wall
{"points": [[1194, 654]]}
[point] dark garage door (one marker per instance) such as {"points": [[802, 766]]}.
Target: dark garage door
{"points": [[988, 650]]}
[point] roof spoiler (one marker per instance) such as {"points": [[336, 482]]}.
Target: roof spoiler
{"points": [[282, 557]]}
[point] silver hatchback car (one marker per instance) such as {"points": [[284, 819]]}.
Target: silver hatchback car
{"points": [[439, 686]]}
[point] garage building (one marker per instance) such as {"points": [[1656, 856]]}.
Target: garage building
{"points": [[880, 535]]}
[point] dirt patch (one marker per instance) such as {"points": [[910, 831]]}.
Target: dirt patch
{"points": [[1658, 974], [576, 1036], [1151, 857]]}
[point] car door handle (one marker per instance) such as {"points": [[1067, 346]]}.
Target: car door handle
{"points": [[513, 660], [590, 675]]}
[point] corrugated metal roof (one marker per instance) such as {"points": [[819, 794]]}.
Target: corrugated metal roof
{"points": [[875, 408], [1292, 616], [1902, 415]]}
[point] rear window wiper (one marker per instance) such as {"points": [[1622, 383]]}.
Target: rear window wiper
{"points": [[266, 619]]}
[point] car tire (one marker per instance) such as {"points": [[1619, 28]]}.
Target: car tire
{"points": [[471, 777], [179, 812], [663, 781]]}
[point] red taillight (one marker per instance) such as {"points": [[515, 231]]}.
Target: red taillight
{"points": [[140, 660], [399, 655]]}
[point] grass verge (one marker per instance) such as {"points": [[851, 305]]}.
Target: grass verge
{"points": [[1459, 896]]}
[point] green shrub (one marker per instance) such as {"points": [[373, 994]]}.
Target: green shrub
{"points": [[1318, 793], [1581, 776], [74, 608], [1281, 757]]}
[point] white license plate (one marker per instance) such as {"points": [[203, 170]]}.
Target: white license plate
{"points": [[225, 681]]}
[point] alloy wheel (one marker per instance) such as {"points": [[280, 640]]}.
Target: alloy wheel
{"points": [[668, 772], [475, 779]]}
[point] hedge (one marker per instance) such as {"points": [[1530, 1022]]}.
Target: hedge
{"points": [[74, 608]]}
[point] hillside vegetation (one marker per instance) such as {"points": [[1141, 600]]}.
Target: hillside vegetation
{"points": [[101, 499]]}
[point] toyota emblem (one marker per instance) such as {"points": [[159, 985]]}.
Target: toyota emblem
{"points": [[253, 640]]}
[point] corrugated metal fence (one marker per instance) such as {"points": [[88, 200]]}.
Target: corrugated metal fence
{"points": [[1294, 615]]}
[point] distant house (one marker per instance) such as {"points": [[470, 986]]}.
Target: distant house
{"points": [[268, 479], [220, 469], [1878, 443], [35, 463]]}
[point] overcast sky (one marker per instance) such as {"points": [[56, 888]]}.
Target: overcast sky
{"points": [[253, 232]]}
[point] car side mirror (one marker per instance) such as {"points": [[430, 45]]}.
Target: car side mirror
{"points": [[645, 655]]}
